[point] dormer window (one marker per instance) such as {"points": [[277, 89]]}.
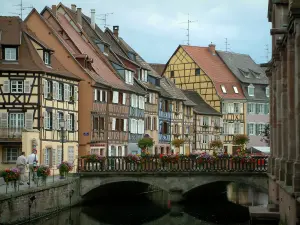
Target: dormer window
{"points": [[244, 73], [10, 53], [251, 90], [268, 91], [128, 77], [223, 89], [144, 75], [47, 58], [235, 90], [132, 56]]}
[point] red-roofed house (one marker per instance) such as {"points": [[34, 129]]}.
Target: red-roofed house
{"points": [[201, 69]]}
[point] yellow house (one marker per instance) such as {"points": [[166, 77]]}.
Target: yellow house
{"points": [[38, 99], [200, 69]]}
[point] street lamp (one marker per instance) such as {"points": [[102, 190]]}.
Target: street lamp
{"points": [[62, 126]]}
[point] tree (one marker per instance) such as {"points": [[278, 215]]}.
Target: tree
{"points": [[266, 135]]}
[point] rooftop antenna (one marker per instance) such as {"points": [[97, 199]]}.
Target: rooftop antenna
{"points": [[22, 8], [226, 45], [104, 18], [267, 52], [188, 28]]}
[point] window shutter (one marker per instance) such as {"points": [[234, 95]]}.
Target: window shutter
{"points": [[209, 121], [57, 121], [75, 93], [221, 122], [113, 124], [257, 108], [54, 89], [136, 101], [241, 128], [267, 108], [125, 125], [53, 157], [106, 93], [4, 120], [248, 129], [101, 95], [95, 94], [257, 129], [124, 99], [6, 87], [45, 82], [241, 108], [143, 126], [28, 120], [54, 121], [115, 97], [126, 76], [68, 123], [151, 125], [27, 86], [201, 120], [59, 155], [131, 100], [75, 122], [45, 156], [45, 116]]}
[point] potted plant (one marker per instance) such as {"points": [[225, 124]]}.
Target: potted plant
{"points": [[242, 140], [205, 126], [12, 174], [177, 143], [72, 98], [145, 143], [216, 145], [64, 168], [43, 172]]}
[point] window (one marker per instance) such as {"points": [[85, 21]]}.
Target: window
{"points": [[47, 58], [187, 129], [71, 157], [10, 154], [49, 89], [236, 107], [267, 108], [176, 106], [236, 128], [60, 91], [47, 155], [251, 90], [119, 125], [251, 108], [165, 105], [100, 95], [172, 74], [251, 130], [205, 121], [120, 98], [260, 128], [268, 91], [260, 108], [16, 86], [60, 117], [16, 120], [132, 56], [10, 54], [235, 90], [128, 77], [98, 123], [225, 128], [205, 139], [154, 123], [164, 128], [197, 72], [70, 122], [223, 89], [48, 118]]}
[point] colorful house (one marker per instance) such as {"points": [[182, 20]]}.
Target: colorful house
{"points": [[39, 98], [200, 69], [255, 87]]}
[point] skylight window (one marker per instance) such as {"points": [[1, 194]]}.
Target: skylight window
{"points": [[223, 89], [235, 90]]}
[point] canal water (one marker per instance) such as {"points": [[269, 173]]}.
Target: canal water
{"points": [[229, 207]]}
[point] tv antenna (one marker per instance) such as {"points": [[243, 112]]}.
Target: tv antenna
{"points": [[226, 45], [22, 8], [188, 28], [105, 18], [267, 52]]}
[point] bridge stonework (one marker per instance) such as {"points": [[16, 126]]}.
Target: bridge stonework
{"points": [[171, 181]]}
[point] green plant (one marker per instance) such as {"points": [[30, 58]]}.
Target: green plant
{"points": [[177, 142], [145, 142], [10, 174], [217, 127], [216, 144], [266, 134], [65, 167], [93, 158], [205, 126], [43, 171], [241, 139]]}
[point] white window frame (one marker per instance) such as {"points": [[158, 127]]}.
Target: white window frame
{"points": [[16, 120], [253, 128], [261, 108], [235, 89], [47, 156], [237, 128], [238, 107], [268, 91], [205, 121], [223, 89], [71, 154], [10, 54], [16, 86], [13, 155], [205, 139], [252, 107], [251, 90], [47, 58]]}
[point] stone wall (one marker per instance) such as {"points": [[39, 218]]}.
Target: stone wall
{"points": [[15, 207]]}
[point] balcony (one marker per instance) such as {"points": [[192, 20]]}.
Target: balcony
{"points": [[165, 115], [11, 133], [134, 138], [165, 138], [135, 112]]}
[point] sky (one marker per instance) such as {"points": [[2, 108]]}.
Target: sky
{"points": [[155, 28]]}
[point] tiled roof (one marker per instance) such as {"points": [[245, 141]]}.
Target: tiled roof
{"points": [[10, 30], [218, 72], [159, 68], [98, 64], [201, 106], [29, 59], [259, 92], [244, 68], [114, 45]]}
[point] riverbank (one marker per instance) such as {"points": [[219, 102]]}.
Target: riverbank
{"points": [[30, 203]]}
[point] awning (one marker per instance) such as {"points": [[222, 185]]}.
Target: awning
{"points": [[258, 149]]}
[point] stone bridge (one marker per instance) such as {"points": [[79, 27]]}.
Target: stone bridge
{"points": [[182, 181]]}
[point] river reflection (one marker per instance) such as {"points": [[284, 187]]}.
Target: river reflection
{"points": [[144, 211]]}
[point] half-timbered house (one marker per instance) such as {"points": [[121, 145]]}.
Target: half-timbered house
{"points": [[125, 67], [39, 98], [207, 122], [201, 69]]}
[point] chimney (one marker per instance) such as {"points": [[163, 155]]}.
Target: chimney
{"points": [[54, 10], [116, 31], [73, 7], [93, 11], [78, 16], [212, 48]]}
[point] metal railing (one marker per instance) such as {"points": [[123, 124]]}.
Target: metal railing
{"points": [[31, 181], [183, 164]]}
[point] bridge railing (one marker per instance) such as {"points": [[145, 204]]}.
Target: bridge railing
{"points": [[182, 164]]}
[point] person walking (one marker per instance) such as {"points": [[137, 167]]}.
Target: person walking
{"points": [[21, 165], [33, 162]]}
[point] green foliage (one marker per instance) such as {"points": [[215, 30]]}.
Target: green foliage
{"points": [[266, 135], [177, 142], [216, 144], [241, 139], [145, 142]]}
